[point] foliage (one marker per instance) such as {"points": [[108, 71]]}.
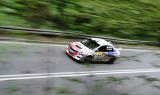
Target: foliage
{"points": [[132, 19]]}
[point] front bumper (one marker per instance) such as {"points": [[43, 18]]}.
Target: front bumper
{"points": [[73, 55]]}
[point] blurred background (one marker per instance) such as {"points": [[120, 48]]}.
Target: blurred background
{"points": [[130, 19]]}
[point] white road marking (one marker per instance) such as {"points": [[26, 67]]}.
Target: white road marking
{"points": [[71, 74], [141, 50], [62, 45]]}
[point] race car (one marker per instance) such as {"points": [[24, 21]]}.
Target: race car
{"points": [[93, 50]]}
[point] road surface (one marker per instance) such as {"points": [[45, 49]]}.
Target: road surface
{"points": [[45, 69]]}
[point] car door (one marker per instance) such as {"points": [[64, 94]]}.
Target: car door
{"points": [[103, 53], [99, 53]]}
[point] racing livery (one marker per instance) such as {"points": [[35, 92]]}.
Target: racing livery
{"points": [[94, 50]]}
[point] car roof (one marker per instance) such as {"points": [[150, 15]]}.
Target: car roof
{"points": [[101, 42]]}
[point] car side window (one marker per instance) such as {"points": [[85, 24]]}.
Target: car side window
{"points": [[109, 49], [105, 49], [102, 49]]}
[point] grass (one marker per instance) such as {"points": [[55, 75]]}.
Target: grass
{"points": [[4, 47], [111, 80], [12, 89], [63, 91], [59, 90], [104, 85], [14, 33], [130, 19], [124, 94], [117, 79], [142, 76], [137, 60], [76, 80], [152, 79], [149, 79], [11, 20]]}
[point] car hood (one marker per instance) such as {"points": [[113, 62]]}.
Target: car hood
{"points": [[78, 46]]}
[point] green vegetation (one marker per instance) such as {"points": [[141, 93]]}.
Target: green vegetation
{"points": [[111, 80], [117, 79], [12, 89], [16, 48], [63, 91], [152, 79], [59, 90], [105, 86], [149, 79], [137, 60], [131, 19], [76, 80]]}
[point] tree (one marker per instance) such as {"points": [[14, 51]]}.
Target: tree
{"points": [[35, 12]]}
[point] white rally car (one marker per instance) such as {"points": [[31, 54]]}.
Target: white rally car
{"points": [[93, 50]]}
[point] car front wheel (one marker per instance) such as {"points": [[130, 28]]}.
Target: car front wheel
{"points": [[87, 59], [112, 60]]}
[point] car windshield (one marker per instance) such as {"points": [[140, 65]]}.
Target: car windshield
{"points": [[91, 44]]}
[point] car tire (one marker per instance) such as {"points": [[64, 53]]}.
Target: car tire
{"points": [[87, 59], [112, 60]]}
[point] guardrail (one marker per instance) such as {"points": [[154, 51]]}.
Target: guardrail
{"points": [[80, 35]]}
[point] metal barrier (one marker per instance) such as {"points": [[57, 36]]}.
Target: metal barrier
{"points": [[80, 35]]}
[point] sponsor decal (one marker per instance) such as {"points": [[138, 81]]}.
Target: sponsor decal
{"points": [[110, 53], [99, 53]]}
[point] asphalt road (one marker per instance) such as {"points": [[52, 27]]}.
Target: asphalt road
{"points": [[25, 58]]}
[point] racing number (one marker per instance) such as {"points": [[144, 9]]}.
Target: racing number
{"points": [[99, 55]]}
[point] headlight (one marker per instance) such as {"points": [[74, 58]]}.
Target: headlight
{"points": [[81, 53]]}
